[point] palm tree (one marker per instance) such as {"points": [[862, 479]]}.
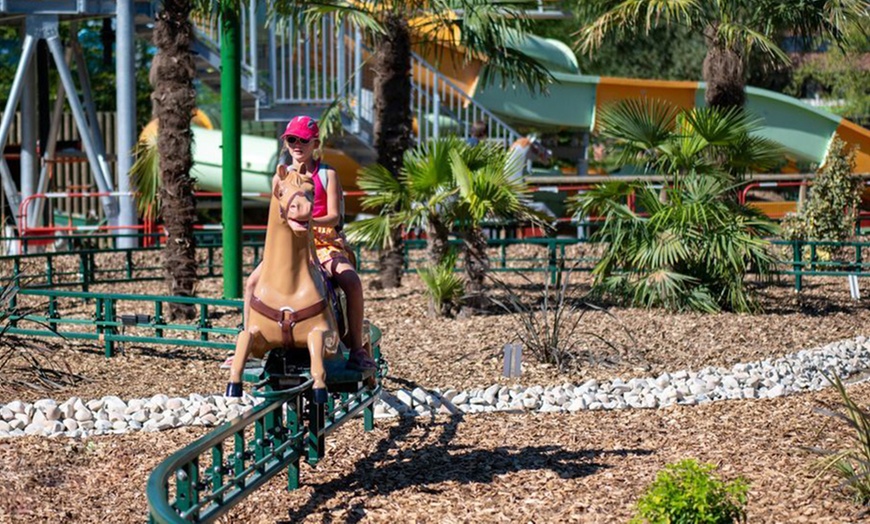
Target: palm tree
{"points": [[662, 138], [174, 97], [732, 28], [485, 29], [694, 244], [422, 197], [444, 187], [488, 191]]}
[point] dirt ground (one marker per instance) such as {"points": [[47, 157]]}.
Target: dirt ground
{"points": [[584, 467]]}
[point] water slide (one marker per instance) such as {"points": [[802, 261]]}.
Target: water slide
{"points": [[574, 100], [572, 103]]}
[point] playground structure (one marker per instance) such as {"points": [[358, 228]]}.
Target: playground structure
{"points": [[280, 79]]}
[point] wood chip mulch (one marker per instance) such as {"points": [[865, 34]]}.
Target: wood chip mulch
{"points": [[508, 467]]}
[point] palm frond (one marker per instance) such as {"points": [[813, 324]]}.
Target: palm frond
{"points": [[145, 174], [372, 232], [739, 35], [638, 125], [381, 187], [629, 15]]}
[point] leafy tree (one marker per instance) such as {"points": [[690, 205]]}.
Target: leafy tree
{"points": [[840, 77], [731, 29], [665, 53], [481, 27], [689, 245]]}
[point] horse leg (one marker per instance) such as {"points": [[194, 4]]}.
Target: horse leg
{"points": [[243, 350], [320, 343]]}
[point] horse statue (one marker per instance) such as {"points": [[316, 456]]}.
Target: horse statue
{"points": [[289, 310]]}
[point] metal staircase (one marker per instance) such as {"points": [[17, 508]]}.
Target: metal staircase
{"points": [[292, 69]]}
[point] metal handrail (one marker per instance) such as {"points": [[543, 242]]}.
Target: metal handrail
{"points": [[450, 99], [161, 509]]}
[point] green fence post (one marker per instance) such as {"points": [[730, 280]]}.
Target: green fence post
{"points": [[551, 261], [108, 331], [16, 271], [186, 480], [83, 269], [158, 318], [217, 470], [797, 265], [293, 414], [204, 324], [128, 260]]}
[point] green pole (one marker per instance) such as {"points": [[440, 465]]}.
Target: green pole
{"points": [[231, 178]]}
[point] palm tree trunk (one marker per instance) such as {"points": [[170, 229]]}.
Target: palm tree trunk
{"points": [[392, 126], [436, 240], [723, 73], [174, 98], [476, 268]]}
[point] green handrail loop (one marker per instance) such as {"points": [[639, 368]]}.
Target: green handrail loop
{"points": [[225, 492]]}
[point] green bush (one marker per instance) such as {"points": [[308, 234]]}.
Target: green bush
{"points": [[692, 252], [833, 205], [689, 493], [444, 287]]}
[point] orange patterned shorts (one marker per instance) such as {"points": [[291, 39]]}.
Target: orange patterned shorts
{"points": [[330, 244]]}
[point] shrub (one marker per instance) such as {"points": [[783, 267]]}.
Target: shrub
{"points": [[551, 327], [688, 493], [833, 205], [852, 463], [444, 286], [691, 252]]}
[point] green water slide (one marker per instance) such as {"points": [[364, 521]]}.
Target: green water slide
{"points": [[574, 99]]}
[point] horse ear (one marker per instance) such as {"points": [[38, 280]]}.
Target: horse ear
{"points": [[282, 171], [303, 169]]}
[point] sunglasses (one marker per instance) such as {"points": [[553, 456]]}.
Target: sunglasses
{"points": [[294, 139]]}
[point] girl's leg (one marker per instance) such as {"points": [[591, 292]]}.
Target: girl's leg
{"points": [[250, 286], [348, 280]]}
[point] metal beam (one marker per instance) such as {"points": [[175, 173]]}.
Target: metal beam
{"points": [[29, 132], [58, 7], [54, 46], [12, 195], [49, 149], [125, 91]]}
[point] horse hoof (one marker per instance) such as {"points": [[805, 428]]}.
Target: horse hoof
{"points": [[320, 395], [234, 389]]}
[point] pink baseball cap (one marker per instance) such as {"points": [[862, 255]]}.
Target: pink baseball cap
{"points": [[303, 127]]}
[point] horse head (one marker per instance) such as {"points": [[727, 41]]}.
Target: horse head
{"points": [[537, 152], [295, 194]]}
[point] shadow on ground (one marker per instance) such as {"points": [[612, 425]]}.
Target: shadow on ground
{"points": [[403, 460]]}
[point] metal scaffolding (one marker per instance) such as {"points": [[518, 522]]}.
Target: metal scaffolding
{"points": [[41, 22]]}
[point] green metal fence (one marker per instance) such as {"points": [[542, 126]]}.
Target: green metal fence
{"points": [[113, 318]]}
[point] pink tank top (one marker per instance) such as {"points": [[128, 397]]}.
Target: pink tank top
{"points": [[320, 206]]}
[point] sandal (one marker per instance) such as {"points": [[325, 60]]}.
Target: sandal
{"points": [[359, 360]]}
